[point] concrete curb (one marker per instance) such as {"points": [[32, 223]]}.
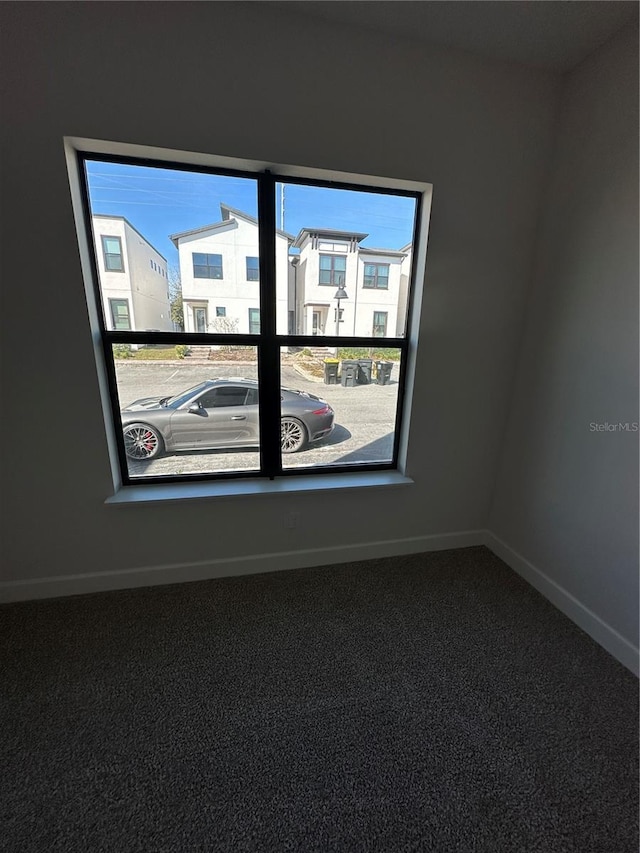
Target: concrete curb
{"points": [[201, 362]]}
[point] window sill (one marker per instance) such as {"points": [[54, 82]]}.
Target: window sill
{"points": [[179, 492]]}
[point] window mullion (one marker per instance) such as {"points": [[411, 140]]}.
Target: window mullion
{"points": [[268, 355]]}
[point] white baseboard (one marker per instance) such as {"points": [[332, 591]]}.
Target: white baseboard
{"points": [[590, 622], [78, 584]]}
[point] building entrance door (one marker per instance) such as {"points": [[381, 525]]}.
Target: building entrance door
{"points": [[200, 319]]}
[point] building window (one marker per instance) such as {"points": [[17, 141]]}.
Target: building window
{"points": [[376, 276], [207, 266], [254, 321], [112, 254], [380, 324], [119, 311], [280, 419], [325, 246], [333, 270], [253, 269]]}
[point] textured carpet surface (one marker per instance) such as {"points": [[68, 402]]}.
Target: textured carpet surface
{"points": [[425, 703]]}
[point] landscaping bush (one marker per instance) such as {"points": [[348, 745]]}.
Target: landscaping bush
{"points": [[122, 351], [181, 350], [382, 354]]}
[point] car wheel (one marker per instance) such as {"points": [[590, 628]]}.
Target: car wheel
{"points": [[142, 442], [293, 435]]}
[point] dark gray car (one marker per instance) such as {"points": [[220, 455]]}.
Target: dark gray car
{"points": [[219, 413]]}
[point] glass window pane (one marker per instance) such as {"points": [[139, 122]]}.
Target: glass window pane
{"points": [[253, 269], [113, 263], [119, 315], [231, 395], [254, 321], [112, 245], [166, 432], [316, 217], [339, 412], [191, 232]]}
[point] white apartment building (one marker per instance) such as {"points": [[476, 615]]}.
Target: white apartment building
{"points": [[373, 284], [220, 275], [133, 277]]}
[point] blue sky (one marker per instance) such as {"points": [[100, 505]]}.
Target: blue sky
{"points": [[159, 202]]}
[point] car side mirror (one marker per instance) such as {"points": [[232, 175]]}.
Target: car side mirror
{"points": [[196, 409]]}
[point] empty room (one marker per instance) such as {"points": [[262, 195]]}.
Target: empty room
{"points": [[320, 426]]}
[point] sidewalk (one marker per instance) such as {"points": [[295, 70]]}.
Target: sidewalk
{"points": [[197, 362]]}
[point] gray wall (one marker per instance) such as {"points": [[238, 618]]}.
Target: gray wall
{"points": [[249, 82], [566, 498]]}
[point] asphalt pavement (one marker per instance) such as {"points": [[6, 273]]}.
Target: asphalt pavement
{"points": [[365, 417]]}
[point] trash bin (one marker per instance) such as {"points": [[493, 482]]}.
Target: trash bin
{"points": [[349, 373], [383, 370], [364, 371], [331, 373]]}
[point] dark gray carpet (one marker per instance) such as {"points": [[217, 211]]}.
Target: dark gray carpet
{"points": [[424, 703]]}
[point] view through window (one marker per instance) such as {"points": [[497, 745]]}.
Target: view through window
{"points": [[253, 326]]}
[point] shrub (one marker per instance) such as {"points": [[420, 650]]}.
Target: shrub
{"points": [[122, 351], [181, 350], [382, 354]]}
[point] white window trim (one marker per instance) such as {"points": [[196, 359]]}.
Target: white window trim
{"points": [[206, 490], [149, 493]]}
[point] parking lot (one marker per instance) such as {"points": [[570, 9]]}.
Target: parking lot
{"points": [[364, 417]]}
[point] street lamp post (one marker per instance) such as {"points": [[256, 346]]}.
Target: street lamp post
{"points": [[340, 294]]}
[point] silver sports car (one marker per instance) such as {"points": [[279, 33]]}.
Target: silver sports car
{"points": [[219, 413]]}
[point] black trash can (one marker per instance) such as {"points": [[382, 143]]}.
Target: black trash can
{"points": [[383, 369], [364, 371], [349, 373], [331, 373]]}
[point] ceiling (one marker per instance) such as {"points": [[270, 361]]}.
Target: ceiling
{"points": [[551, 34]]}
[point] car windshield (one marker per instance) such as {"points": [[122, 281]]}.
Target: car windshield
{"points": [[181, 398]]}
